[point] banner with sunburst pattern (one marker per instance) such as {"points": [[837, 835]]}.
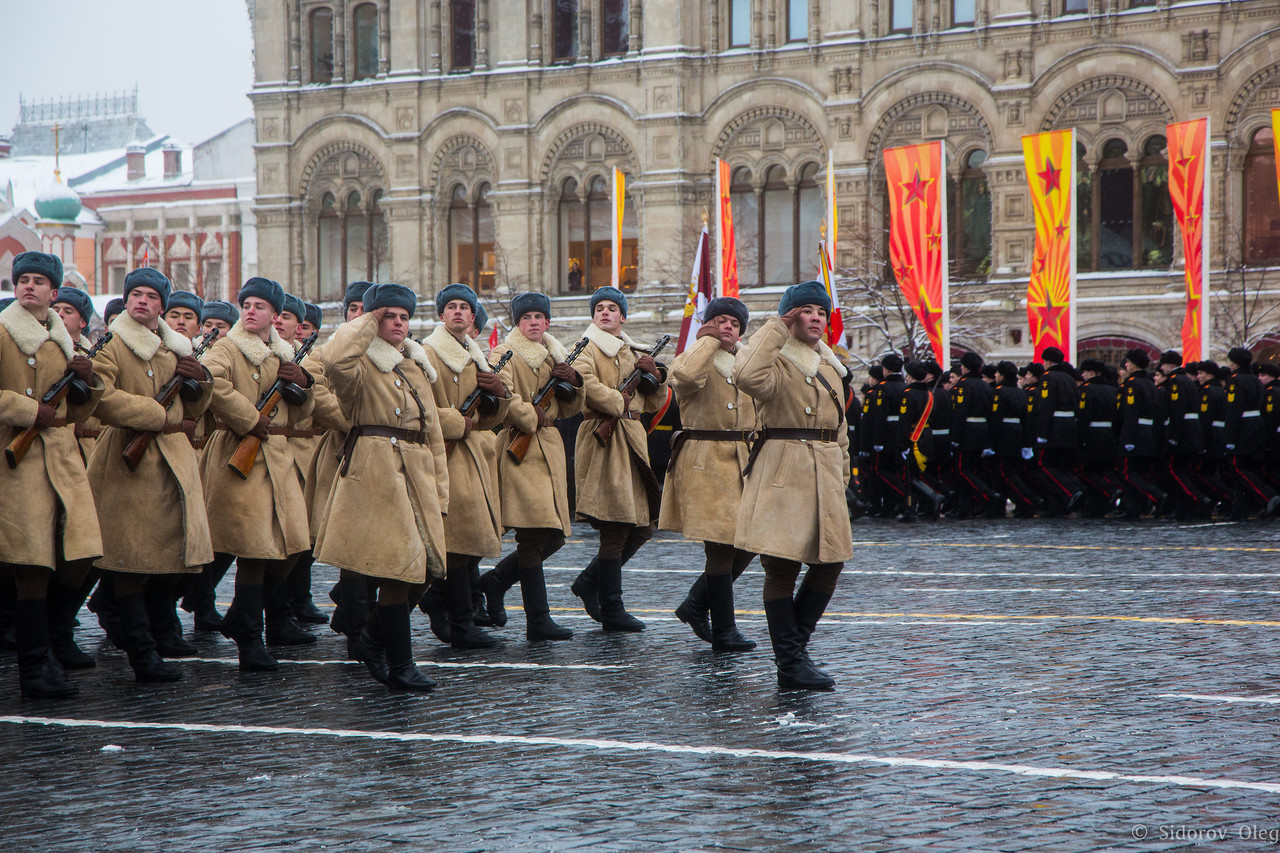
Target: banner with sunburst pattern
{"points": [[918, 236], [1051, 304], [1188, 189]]}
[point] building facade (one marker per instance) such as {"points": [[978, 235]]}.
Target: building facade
{"points": [[428, 141]]}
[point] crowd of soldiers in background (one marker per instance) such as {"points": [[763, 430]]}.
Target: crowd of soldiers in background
{"points": [[1183, 441]]}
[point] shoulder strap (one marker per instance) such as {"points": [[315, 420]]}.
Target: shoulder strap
{"points": [[835, 398], [413, 392]]}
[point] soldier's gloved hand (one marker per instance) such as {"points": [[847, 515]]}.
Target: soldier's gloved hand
{"points": [[189, 428], [291, 372], [1128, 448], [1026, 453], [987, 452], [708, 330], [566, 373], [261, 429], [544, 420], [492, 383], [82, 368], [44, 416], [647, 364], [189, 368], [467, 426]]}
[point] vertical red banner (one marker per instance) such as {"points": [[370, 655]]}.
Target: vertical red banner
{"points": [[1051, 176], [728, 267], [1188, 186], [917, 235]]}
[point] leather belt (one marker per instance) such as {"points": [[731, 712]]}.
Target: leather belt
{"points": [[304, 432], [412, 436], [87, 432], [57, 422], [785, 433], [199, 443], [625, 416], [679, 437], [170, 429]]}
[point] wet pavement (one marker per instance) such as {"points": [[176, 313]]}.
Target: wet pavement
{"points": [[1036, 685]]}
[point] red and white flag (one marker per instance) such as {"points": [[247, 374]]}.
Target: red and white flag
{"points": [[701, 291]]}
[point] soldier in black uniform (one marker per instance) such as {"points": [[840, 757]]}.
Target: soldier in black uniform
{"points": [[888, 438], [1213, 426], [937, 471], [1011, 439], [971, 402], [1055, 431], [1267, 374], [1136, 403], [866, 442], [1182, 439], [916, 400], [1096, 428], [1244, 438]]}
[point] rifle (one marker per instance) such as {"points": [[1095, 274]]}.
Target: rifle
{"points": [[21, 443], [520, 444], [479, 396], [604, 432], [246, 451], [139, 441]]}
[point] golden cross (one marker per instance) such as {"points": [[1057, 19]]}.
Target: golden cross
{"points": [[57, 172]]}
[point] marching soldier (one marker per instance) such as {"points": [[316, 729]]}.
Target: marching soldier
{"points": [[1267, 374], [1136, 403], [888, 436], [1182, 440], [1244, 438], [534, 490], [704, 477], [182, 313], [1213, 426], [261, 518], [142, 356], [76, 310], [793, 509], [1096, 428], [473, 526], [617, 491], [352, 304], [917, 405], [1054, 427], [51, 535], [971, 402], [218, 315], [312, 321], [394, 462], [1011, 436]]}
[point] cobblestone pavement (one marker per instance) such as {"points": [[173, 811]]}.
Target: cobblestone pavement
{"points": [[1047, 685]]}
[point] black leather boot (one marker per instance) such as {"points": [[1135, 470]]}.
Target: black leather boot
{"points": [[298, 592], [539, 625], [282, 628], [162, 614], [809, 607], [435, 604], [201, 594], [402, 672], [695, 611], [243, 624], [613, 613], [795, 670], [585, 586], [39, 675], [494, 584], [103, 605], [724, 629], [368, 645], [479, 608], [8, 602], [463, 633], [143, 657], [64, 603]]}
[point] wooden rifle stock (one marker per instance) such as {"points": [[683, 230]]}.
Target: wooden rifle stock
{"points": [[604, 430], [140, 441], [519, 446], [17, 449], [242, 458], [472, 402]]}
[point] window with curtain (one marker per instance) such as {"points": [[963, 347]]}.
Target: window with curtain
{"points": [[900, 14], [320, 41], [365, 41], [329, 264], [462, 20], [797, 20], [740, 23], [564, 30], [615, 31], [963, 12], [1261, 202], [1155, 220], [970, 218], [746, 227]]}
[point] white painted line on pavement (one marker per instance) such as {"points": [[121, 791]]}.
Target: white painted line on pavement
{"points": [[1206, 697], [961, 589], [594, 744], [639, 570], [440, 664]]}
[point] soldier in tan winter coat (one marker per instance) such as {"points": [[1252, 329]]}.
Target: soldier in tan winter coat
{"points": [[704, 476], [535, 500], [76, 310], [45, 500], [617, 491], [473, 527], [393, 470], [793, 507], [143, 355], [262, 518]]}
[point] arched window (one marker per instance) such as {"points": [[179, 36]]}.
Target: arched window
{"points": [[740, 25], [379, 241], [746, 227], [1084, 211], [1114, 203], [462, 14], [365, 41], [355, 249], [573, 237], [586, 244], [471, 243], [970, 218], [616, 29], [564, 30], [778, 229], [599, 223], [329, 262], [1155, 220], [810, 214], [1261, 202], [320, 40]]}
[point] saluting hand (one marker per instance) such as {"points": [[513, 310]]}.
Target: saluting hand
{"points": [[790, 318], [291, 372], [82, 367], [708, 330], [261, 430], [189, 368], [492, 383]]}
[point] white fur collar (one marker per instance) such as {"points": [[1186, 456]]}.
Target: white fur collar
{"points": [[253, 348], [386, 358], [29, 333], [723, 361], [535, 354], [145, 343], [453, 354], [807, 359], [608, 344]]}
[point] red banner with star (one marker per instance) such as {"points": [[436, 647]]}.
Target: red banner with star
{"points": [[1051, 305], [918, 236], [1188, 188]]}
